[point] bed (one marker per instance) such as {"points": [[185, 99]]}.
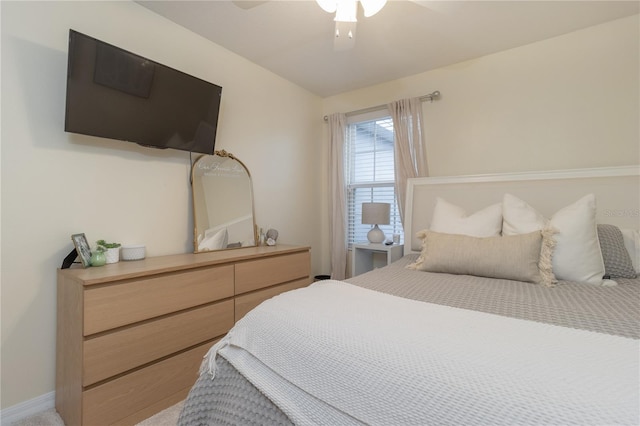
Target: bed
{"points": [[517, 302]]}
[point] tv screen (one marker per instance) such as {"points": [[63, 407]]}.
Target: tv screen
{"points": [[113, 93]]}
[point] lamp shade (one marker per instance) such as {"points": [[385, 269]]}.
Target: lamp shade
{"points": [[376, 213], [371, 7], [328, 5]]}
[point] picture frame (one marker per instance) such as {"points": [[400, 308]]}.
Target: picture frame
{"points": [[82, 248]]}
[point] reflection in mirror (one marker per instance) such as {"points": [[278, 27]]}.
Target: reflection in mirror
{"points": [[222, 203]]}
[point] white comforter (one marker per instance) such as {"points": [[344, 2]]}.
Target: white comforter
{"points": [[334, 353]]}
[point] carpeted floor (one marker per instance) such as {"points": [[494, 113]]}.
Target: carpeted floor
{"points": [[167, 417]]}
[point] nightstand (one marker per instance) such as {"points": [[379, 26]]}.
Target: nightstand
{"points": [[362, 255]]}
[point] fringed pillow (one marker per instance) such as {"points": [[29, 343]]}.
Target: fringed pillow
{"points": [[577, 256], [525, 257]]}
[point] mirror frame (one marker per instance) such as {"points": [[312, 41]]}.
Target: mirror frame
{"points": [[223, 154]]}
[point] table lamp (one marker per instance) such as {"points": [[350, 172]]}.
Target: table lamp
{"points": [[375, 214]]}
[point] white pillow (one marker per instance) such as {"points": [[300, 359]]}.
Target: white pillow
{"points": [[217, 241], [632, 244], [577, 255], [451, 219]]}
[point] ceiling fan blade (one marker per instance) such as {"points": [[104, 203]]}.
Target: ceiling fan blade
{"points": [[247, 4]]}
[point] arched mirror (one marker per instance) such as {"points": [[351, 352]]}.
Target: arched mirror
{"points": [[222, 203]]}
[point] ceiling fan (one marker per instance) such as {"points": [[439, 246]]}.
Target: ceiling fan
{"points": [[346, 16], [347, 10]]}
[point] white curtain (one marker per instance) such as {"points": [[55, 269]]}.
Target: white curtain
{"points": [[409, 146], [337, 197]]}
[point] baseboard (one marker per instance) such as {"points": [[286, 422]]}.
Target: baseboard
{"points": [[27, 408]]}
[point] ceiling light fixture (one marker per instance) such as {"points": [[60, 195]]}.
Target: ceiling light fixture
{"points": [[346, 10], [346, 17]]}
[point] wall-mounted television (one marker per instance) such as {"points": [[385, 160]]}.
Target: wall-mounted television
{"points": [[113, 93]]}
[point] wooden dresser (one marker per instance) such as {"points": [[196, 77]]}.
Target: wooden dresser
{"points": [[131, 335]]}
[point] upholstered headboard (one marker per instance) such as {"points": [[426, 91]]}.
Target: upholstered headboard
{"points": [[617, 191]]}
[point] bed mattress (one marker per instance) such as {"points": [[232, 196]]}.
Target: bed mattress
{"points": [[611, 310], [232, 399]]}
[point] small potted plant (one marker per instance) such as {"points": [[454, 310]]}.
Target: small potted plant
{"points": [[111, 250], [98, 257]]}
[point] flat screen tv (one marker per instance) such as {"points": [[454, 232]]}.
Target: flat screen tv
{"points": [[113, 93]]}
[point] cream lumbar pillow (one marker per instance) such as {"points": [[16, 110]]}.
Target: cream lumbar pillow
{"points": [[577, 255], [516, 257], [451, 219]]}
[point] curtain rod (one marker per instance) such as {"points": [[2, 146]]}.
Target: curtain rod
{"points": [[430, 97]]}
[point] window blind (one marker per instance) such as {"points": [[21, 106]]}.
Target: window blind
{"points": [[369, 175]]}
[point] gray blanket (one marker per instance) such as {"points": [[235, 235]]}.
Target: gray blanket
{"points": [[232, 400], [229, 400], [611, 310]]}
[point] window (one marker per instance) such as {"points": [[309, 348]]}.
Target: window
{"points": [[369, 173]]}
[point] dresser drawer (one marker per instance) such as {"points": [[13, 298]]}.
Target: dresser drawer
{"points": [[125, 303], [247, 302], [122, 350], [122, 397], [256, 274]]}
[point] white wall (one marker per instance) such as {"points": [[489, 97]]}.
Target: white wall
{"points": [[55, 184], [567, 102]]}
